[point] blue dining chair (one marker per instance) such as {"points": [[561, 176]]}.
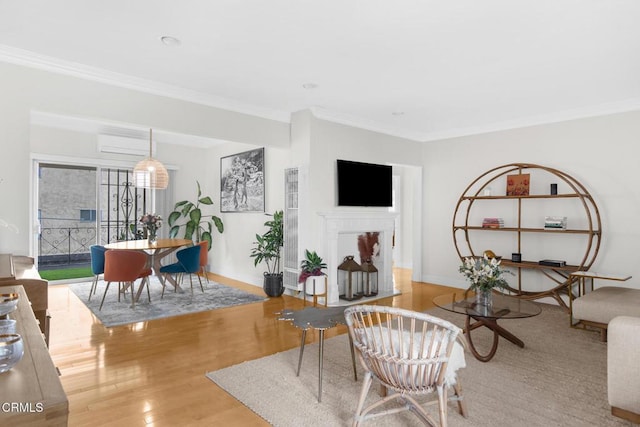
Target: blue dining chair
{"points": [[97, 266], [188, 263]]}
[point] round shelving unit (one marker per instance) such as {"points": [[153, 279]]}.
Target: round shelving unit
{"points": [[525, 186]]}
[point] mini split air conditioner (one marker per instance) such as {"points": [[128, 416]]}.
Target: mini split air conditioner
{"points": [[124, 145]]}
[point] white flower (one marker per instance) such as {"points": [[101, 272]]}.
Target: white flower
{"points": [[483, 273]]}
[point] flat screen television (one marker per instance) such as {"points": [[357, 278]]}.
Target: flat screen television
{"points": [[364, 184]]}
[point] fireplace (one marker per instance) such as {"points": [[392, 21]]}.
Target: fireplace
{"points": [[340, 231]]}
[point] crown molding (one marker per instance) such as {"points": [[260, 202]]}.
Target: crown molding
{"points": [[43, 62], [358, 122], [599, 110], [122, 130], [54, 65]]}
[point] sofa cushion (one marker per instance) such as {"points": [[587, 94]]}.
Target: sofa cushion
{"points": [[607, 302]]}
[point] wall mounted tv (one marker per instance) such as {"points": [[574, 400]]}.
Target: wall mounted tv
{"points": [[364, 184]]}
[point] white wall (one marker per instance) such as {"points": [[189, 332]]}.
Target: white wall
{"points": [[24, 90], [331, 141], [602, 153], [230, 253]]}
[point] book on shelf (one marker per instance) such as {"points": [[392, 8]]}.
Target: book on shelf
{"points": [[555, 222], [492, 223]]}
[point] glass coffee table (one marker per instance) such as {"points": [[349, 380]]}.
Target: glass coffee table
{"points": [[504, 307]]}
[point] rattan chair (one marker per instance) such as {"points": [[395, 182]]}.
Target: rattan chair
{"points": [[410, 354]]}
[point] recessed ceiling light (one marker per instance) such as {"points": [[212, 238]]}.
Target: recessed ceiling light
{"points": [[170, 41], [309, 85]]}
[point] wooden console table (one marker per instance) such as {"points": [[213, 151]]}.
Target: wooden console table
{"points": [[20, 270], [31, 392]]}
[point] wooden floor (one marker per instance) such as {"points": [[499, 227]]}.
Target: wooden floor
{"points": [[153, 373]]}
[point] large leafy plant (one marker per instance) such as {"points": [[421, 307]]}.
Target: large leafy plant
{"points": [[268, 245], [195, 225]]}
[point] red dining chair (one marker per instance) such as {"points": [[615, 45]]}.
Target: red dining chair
{"points": [[204, 258], [125, 267]]}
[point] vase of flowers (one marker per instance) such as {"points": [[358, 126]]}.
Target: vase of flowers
{"points": [[485, 275], [151, 223]]}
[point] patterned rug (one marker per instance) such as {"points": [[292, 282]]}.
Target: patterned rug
{"points": [[116, 312]]}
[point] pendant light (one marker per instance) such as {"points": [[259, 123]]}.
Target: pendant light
{"points": [[150, 173]]}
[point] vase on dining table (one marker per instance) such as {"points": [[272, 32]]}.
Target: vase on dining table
{"points": [[152, 235]]}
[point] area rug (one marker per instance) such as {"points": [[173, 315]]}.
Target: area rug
{"points": [[558, 379], [116, 312]]}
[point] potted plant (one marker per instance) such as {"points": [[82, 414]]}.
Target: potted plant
{"points": [[267, 249], [198, 227], [311, 273]]}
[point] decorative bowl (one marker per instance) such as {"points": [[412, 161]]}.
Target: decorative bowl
{"points": [[11, 351], [8, 303], [7, 326]]}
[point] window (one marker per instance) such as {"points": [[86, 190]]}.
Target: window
{"points": [[88, 215]]}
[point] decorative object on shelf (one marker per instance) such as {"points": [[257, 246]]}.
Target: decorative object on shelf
{"points": [[151, 224], [555, 222], [242, 182], [350, 279], [267, 249], [553, 189], [516, 257], [552, 262], [198, 227], [486, 191], [369, 279], [490, 254], [311, 271], [518, 185], [11, 351], [150, 173], [484, 274]]}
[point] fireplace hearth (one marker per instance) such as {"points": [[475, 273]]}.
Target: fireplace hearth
{"points": [[340, 234]]}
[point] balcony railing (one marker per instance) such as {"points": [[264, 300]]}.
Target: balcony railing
{"points": [[70, 245]]}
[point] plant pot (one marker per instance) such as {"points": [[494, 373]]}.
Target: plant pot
{"points": [[315, 285], [273, 286]]}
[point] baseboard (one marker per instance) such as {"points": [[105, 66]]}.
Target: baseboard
{"points": [[624, 414]]}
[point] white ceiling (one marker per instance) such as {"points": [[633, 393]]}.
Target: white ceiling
{"points": [[421, 69]]}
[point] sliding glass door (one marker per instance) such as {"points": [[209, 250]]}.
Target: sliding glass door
{"points": [[80, 206]]}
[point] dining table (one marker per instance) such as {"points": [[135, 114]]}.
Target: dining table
{"points": [[156, 251]]}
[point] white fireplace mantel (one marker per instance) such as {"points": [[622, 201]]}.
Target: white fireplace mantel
{"points": [[337, 222]]}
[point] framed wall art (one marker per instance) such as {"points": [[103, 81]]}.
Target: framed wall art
{"points": [[242, 182]]}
